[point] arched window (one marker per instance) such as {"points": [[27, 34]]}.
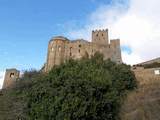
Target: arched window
{"points": [[52, 49], [59, 48], [12, 75]]}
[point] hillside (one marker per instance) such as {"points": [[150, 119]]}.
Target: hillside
{"points": [[87, 89], [144, 103], [82, 90]]}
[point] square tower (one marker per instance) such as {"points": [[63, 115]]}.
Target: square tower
{"points": [[100, 37], [11, 77]]}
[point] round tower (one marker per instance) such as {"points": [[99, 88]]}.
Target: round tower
{"points": [[56, 52], [11, 76]]}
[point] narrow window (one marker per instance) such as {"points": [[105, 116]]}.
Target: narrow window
{"points": [[52, 49], [70, 51], [80, 45], [12, 75], [59, 48], [79, 50]]}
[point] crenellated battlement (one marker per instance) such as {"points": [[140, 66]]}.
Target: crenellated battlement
{"points": [[100, 37], [103, 30]]}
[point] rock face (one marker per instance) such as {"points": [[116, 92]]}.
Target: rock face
{"points": [[61, 49], [11, 76]]}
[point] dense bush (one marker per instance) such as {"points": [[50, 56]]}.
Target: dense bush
{"points": [[88, 89]]}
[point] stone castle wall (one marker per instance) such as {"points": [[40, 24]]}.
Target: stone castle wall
{"points": [[146, 76], [61, 49]]}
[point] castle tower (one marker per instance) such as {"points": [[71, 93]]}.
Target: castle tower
{"points": [[100, 37], [115, 50], [11, 76], [56, 52]]}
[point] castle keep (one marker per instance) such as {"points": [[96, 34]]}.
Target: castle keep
{"points": [[61, 49]]}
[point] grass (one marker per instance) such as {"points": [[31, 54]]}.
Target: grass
{"points": [[144, 103]]}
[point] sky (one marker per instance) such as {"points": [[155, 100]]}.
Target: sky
{"points": [[26, 26]]}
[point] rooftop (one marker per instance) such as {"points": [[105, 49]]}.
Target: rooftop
{"points": [[59, 38]]}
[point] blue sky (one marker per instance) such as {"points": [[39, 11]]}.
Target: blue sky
{"points": [[27, 25]]}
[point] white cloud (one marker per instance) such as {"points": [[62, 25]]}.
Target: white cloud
{"points": [[1, 78], [136, 24], [130, 58]]}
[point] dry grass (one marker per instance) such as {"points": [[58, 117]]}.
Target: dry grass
{"points": [[144, 103]]}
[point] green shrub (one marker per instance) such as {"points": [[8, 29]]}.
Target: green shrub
{"points": [[88, 89]]}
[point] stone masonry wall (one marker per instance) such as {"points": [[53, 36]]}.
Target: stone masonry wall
{"points": [[11, 76]]}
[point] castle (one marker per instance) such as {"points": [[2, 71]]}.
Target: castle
{"points": [[61, 49]]}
